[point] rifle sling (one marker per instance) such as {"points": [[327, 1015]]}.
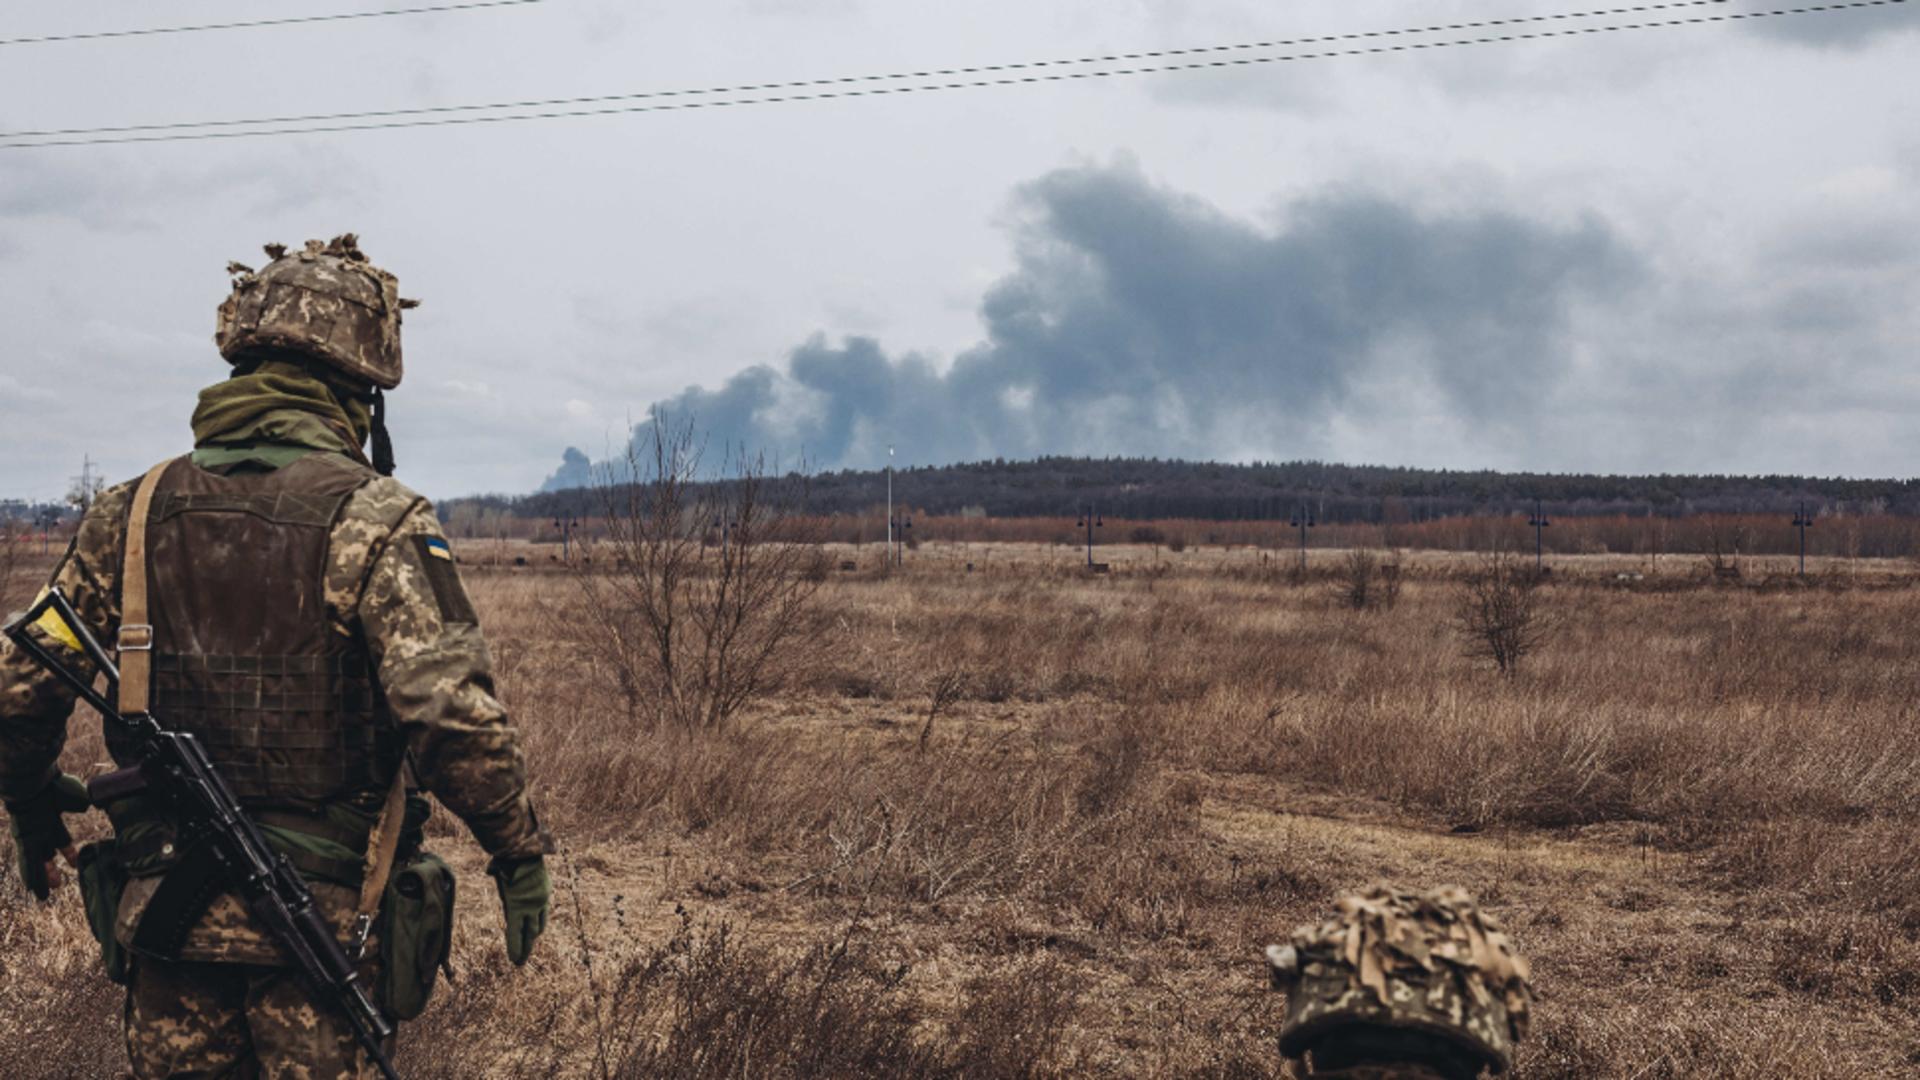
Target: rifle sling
{"points": [[179, 901], [383, 845], [136, 626]]}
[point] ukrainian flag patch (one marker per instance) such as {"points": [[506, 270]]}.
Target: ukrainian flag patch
{"points": [[436, 558]]}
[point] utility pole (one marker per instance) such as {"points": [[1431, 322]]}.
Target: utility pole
{"points": [[889, 504], [1802, 521], [85, 486], [1090, 520], [1539, 523], [1303, 520]]}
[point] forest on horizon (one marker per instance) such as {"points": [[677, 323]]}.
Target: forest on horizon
{"points": [[1149, 489]]}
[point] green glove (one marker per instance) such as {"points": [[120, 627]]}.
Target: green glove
{"points": [[525, 894], [38, 832]]}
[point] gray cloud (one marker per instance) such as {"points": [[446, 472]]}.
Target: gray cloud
{"points": [[1143, 321], [1554, 68], [62, 185], [1848, 29]]}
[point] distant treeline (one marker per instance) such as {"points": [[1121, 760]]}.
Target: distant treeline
{"points": [[1150, 489]]}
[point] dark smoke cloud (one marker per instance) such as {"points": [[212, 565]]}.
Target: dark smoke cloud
{"points": [[576, 471], [1142, 321]]}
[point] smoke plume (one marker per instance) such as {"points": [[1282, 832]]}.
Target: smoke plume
{"points": [[1142, 321]]}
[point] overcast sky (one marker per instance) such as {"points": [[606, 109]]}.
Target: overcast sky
{"points": [[1679, 250]]}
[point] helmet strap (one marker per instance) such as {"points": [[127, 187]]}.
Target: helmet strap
{"points": [[382, 441]]}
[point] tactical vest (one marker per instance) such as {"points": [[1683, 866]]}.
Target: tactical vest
{"points": [[243, 655]]}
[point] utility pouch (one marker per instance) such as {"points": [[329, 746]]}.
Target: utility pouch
{"points": [[103, 877], [416, 934]]}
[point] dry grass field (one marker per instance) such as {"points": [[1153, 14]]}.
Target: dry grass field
{"points": [[1021, 820]]}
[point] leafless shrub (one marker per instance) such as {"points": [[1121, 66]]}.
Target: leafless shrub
{"points": [[713, 1005], [1014, 1022], [728, 1008], [1364, 581], [1722, 563], [702, 600], [1390, 580], [947, 688], [1499, 611]]}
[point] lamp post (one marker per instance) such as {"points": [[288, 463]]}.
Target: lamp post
{"points": [[47, 520], [1802, 521], [901, 527], [1303, 520], [1090, 520], [1539, 523], [566, 525]]}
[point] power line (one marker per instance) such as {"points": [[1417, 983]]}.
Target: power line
{"points": [[800, 84], [257, 23], [915, 88]]}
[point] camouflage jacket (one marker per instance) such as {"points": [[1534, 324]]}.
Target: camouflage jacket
{"points": [[436, 676]]}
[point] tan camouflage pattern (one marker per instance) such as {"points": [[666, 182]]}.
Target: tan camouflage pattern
{"points": [[326, 301], [191, 1019], [226, 933], [1431, 962], [437, 677]]}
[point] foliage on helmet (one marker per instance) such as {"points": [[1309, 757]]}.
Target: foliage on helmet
{"points": [[325, 301], [1429, 962]]}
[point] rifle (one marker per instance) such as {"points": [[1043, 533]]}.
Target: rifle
{"points": [[174, 768]]}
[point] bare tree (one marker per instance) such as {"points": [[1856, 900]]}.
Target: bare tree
{"points": [[1499, 612], [699, 599]]}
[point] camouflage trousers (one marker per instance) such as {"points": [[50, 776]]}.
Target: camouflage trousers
{"points": [[234, 1021]]}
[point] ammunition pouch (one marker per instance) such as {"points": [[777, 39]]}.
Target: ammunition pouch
{"points": [[103, 877], [416, 934]]}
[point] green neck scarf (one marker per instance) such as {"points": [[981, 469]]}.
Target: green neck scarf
{"points": [[281, 403]]}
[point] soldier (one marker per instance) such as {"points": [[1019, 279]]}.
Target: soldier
{"points": [[1402, 986], [278, 595]]}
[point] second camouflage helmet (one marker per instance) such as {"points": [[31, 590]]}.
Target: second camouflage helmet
{"points": [[326, 301], [1425, 962]]}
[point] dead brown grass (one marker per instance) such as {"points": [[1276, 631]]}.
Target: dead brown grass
{"points": [[1030, 822]]}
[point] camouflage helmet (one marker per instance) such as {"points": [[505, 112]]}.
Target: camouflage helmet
{"points": [[326, 301], [1429, 963]]}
